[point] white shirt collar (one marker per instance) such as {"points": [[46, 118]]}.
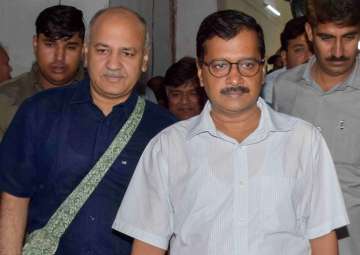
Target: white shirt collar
{"points": [[270, 121]]}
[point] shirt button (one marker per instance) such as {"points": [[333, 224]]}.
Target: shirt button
{"points": [[242, 222], [242, 183]]}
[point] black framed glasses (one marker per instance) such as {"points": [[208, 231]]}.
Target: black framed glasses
{"points": [[246, 67]]}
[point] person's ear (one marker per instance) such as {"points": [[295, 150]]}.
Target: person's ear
{"points": [[35, 43], [167, 91], [85, 52], [199, 72], [283, 55], [263, 74], [145, 61], [309, 31]]}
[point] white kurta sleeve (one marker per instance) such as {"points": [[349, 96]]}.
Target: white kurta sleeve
{"points": [[327, 208], [145, 212]]}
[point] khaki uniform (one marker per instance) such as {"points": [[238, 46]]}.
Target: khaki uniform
{"points": [[13, 92]]}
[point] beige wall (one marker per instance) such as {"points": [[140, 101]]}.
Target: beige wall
{"points": [[271, 25]]}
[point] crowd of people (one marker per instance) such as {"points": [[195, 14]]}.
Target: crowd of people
{"points": [[214, 157]]}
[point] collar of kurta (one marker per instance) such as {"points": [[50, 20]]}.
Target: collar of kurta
{"points": [[82, 95], [270, 121]]}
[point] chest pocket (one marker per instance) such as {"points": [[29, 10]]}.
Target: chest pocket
{"points": [[203, 199], [279, 205], [345, 147]]}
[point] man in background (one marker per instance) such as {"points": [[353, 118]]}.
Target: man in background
{"points": [[156, 84], [57, 46], [326, 92], [295, 50], [5, 67], [276, 61], [296, 47], [185, 97]]}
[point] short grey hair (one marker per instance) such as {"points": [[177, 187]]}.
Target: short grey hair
{"points": [[139, 17]]}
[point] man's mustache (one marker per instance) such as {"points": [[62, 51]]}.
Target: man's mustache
{"points": [[113, 73], [337, 59], [229, 90]]}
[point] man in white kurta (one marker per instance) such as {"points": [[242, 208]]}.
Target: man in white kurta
{"points": [[239, 178], [210, 194]]}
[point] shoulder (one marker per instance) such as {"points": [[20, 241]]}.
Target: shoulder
{"points": [[284, 122], [292, 76], [43, 110], [54, 95], [11, 88], [16, 81], [157, 116], [50, 100], [178, 133], [12, 96], [285, 86], [273, 75]]}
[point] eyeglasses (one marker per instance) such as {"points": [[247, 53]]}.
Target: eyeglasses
{"points": [[246, 67]]}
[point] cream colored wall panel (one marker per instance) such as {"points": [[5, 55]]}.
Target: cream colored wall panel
{"points": [[271, 25]]}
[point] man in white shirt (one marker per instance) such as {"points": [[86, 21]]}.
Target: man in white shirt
{"points": [[239, 178]]}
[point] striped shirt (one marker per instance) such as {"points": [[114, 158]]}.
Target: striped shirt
{"points": [[206, 193]]}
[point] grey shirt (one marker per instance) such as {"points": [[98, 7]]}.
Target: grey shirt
{"points": [[337, 114]]}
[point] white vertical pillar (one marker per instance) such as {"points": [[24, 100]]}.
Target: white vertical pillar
{"points": [[157, 16], [189, 15]]}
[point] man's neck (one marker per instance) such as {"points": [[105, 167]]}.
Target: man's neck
{"points": [[325, 80], [106, 104], [45, 84], [238, 126]]}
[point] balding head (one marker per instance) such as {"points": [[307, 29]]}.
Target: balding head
{"points": [[116, 54], [120, 11]]}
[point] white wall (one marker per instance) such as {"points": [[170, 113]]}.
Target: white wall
{"points": [[189, 15], [161, 34], [89, 7], [17, 26], [271, 25], [17, 22], [157, 16]]}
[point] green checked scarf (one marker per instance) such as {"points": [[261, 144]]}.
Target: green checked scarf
{"points": [[45, 241]]}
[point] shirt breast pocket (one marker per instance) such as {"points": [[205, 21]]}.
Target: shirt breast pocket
{"points": [[279, 205], [346, 146], [199, 203]]}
